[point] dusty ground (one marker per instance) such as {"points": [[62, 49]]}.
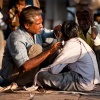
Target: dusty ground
{"points": [[50, 95], [42, 96]]}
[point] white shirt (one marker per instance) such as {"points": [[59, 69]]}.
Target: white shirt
{"points": [[97, 39], [77, 55]]}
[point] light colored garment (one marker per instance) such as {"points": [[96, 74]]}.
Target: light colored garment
{"points": [[87, 39], [97, 40], [20, 41], [18, 44], [81, 59]]}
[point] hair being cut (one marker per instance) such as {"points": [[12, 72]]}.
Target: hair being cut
{"points": [[69, 29], [27, 15]]}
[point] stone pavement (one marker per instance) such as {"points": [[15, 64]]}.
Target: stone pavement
{"points": [[50, 95], [42, 96]]}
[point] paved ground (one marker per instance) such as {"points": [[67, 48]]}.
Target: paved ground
{"points": [[32, 96], [50, 95]]}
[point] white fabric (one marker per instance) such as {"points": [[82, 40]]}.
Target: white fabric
{"points": [[97, 77], [67, 57], [1, 16], [97, 40], [80, 58]]}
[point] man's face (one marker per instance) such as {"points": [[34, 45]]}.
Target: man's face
{"points": [[83, 22], [36, 27]]}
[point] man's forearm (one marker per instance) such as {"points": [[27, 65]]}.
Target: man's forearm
{"points": [[36, 61], [94, 32]]}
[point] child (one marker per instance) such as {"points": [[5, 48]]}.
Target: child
{"points": [[14, 13]]}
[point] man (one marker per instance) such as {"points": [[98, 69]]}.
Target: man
{"points": [[75, 68], [24, 53], [89, 30]]}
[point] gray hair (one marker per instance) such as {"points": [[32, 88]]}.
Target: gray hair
{"points": [[27, 15]]}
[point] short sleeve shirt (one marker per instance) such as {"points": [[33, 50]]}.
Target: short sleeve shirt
{"points": [[18, 43]]}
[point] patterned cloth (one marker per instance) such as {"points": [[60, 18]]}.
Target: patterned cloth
{"points": [[14, 18]]}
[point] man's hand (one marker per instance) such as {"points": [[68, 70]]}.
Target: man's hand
{"points": [[57, 31], [55, 47]]}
